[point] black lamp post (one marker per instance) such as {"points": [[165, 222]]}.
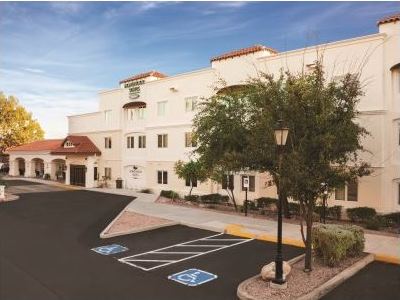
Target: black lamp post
{"points": [[281, 134]]}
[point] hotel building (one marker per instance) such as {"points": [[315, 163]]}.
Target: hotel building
{"points": [[143, 126]]}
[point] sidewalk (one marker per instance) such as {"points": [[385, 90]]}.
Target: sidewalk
{"points": [[382, 246]]}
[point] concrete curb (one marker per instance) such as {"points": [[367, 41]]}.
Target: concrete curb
{"points": [[238, 230], [320, 291], [242, 291], [104, 234], [387, 259], [110, 235], [204, 227], [332, 283]]}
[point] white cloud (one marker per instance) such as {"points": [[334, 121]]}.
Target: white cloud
{"points": [[32, 70], [232, 4], [49, 98], [131, 9], [66, 7]]}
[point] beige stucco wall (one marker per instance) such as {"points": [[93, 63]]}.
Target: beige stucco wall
{"points": [[374, 55]]}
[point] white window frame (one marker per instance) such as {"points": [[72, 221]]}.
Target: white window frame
{"points": [[189, 141], [164, 177], [68, 144], [163, 112], [130, 142], [108, 170], [346, 193], [130, 114], [107, 115], [107, 142], [164, 140], [142, 141], [190, 103]]}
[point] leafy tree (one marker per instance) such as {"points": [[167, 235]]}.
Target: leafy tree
{"points": [[17, 126], [191, 171], [323, 144]]}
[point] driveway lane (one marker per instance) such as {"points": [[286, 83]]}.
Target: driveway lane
{"points": [[45, 242]]}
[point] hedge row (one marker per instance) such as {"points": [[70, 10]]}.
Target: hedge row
{"points": [[333, 243], [371, 219]]}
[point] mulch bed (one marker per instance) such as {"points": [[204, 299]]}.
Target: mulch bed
{"points": [[299, 283]]}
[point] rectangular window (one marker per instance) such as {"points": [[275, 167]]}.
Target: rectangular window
{"points": [[190, 103], [352, 191], [95, 174], [340, 193], [130, 142], [107, 143], [190, 141], [107, 115], [162, 140], [252, 183], [107, 173], [162, 177], [139, 113], [130, 114], [194, 181], [228, 182], [398, 193], [142, 141], [161, 108]]}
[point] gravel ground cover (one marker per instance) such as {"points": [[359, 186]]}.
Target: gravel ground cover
{"points": [[299, 282]]}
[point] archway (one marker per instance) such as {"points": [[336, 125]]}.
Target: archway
{"points": [[58, 169], [37, 168], [19, 167]]}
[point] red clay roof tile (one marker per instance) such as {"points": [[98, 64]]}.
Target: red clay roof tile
{"points": [[82, 145], [243, 51], [43, 145], [389, 19], [144, 75]]}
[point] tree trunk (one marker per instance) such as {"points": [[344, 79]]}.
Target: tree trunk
{"points": [[285, 202], [191, 188], [309, 221], [232, 197]]}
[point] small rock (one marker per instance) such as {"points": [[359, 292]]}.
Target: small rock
{"points": [[268, 271]]}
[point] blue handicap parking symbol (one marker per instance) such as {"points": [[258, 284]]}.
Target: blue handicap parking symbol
{"points": [[110, 249], [192, 277]]}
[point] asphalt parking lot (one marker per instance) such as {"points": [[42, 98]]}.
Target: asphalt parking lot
{"points": [[45, 253], [376, 281]]}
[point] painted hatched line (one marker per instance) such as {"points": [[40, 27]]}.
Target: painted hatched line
{"points": [[134, 260]]}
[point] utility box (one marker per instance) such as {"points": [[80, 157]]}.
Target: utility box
{"points": [[118, 183]]}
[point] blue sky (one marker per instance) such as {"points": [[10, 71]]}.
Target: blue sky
{"points": [[56, 56]]}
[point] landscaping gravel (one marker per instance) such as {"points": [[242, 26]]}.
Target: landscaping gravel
{"points": [[128, 221], [299, 282]]}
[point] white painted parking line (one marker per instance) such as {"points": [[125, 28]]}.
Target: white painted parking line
{"points": [[135, 260]]}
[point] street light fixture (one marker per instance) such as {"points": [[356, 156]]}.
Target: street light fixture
{"points": [[281, 134]]}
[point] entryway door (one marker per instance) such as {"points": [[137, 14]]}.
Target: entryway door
{"points": [[77, 175]]}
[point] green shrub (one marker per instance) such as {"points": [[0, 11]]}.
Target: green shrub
{"points": [[334, 212], [377, 222], [294, 208], [393, 218], [214, 199], [251, 205], [46, 176], [146, 191], [266, 202], [333, 243], [192, 198], [360, 214], [169, 194]]}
